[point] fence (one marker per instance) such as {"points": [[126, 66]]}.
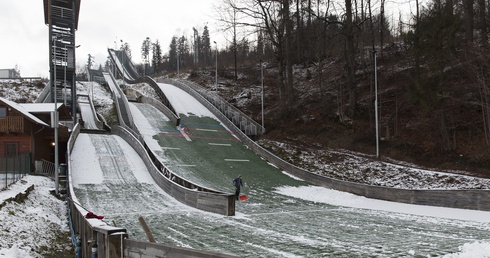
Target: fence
{"points": [[12, 169], [237, 117]]}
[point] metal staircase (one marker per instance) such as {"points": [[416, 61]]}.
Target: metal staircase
{"points": [[62, 17]]}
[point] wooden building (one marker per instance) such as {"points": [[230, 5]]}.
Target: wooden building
{"points": [[26, 128]]}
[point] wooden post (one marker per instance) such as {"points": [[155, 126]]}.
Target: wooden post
{"points": [[146, 229]]}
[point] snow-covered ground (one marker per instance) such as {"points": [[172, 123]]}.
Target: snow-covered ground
{"points": [[42, 215], [356, 167], [31, 229]]}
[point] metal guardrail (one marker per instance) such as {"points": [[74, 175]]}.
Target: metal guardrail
{"points": [[237, 117], [12, 169], [122, 63], [122, 106], [45, 93], [46, 168]]}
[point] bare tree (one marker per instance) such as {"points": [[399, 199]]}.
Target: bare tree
{"points": [[350, 56], [229, 17], [381, 25], [272, 17], [478, 70], [483, 21], [289, 61], [299, 31], [468, 20]]}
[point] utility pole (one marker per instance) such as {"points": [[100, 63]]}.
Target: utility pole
{"points": [[262, 82], [55, 120], [216, 71], [376, 103]]}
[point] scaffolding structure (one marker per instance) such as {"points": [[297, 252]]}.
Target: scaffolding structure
{"points": [[62, 18]]}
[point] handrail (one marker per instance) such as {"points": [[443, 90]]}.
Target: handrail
{"points": [[122, 106], [240, 119]]}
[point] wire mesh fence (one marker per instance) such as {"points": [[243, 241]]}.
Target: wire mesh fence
{"points": [[12, 169]]}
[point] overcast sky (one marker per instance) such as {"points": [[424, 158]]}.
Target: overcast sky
{"points": [[24, 36]]}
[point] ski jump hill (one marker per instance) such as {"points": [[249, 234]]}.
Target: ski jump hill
{"points": [[246, 129], [204, 190]]}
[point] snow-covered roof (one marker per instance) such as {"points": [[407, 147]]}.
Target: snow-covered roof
{"points": [[40, 107], [23, 110], [44, 108]]}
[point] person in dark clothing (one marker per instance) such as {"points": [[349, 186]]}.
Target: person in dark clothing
{"points": [[238, 183]]}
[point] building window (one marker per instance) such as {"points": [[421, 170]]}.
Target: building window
{"points": [[11, 149], [3, 112]]}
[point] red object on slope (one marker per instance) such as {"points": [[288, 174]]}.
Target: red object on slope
{"points": [[91, 215]]}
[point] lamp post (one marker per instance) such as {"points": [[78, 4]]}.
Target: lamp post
{"points": [[262, 82], [122, 54], [114, 63], [178, 64], [65, 63], [376, 103], [55, 120], [216, 71]]}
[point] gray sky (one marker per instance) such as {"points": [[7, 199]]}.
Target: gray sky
{"points": [[24, 36]]}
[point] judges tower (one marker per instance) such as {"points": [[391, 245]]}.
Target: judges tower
{"points": [[62, 18]]}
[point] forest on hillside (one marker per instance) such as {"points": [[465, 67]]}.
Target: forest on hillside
{"points": [[331, 65]]}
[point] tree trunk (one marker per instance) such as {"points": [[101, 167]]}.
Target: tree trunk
{"points": [[468, 20], [381, 27], [444, 133], [483, 22], [289, 61], [235, 43], [485, 107], [299, 32], [350, 57]]}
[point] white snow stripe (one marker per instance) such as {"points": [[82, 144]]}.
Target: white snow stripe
{"points": [[207, 130], [220, 144]]}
